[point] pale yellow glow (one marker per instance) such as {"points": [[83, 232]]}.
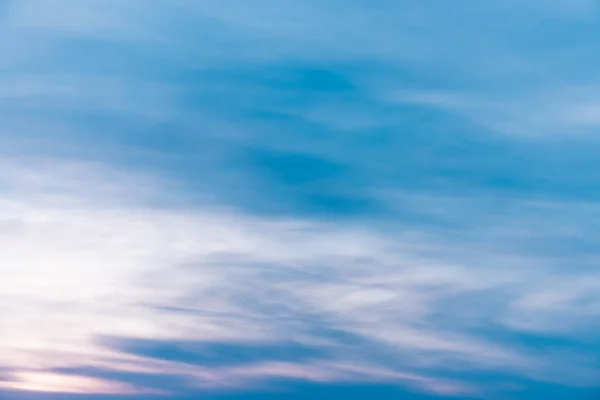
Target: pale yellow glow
{"points": [[59, 383]]}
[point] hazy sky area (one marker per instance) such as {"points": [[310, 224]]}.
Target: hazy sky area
{"points": [[299, 199]]}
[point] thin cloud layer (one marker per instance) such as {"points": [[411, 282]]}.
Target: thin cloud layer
{"points": [[211, 198], [341, 302]]}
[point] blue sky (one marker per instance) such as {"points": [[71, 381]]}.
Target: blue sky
{"points": [[299, 198]]}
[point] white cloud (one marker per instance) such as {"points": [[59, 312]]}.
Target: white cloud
{"points": [[85, 254], [63, 383], [562, 110]]}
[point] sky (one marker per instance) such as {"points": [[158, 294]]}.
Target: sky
{"points": [[300, 199]]}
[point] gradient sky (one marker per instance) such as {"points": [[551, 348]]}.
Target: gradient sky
{"points": [[299, 199]]}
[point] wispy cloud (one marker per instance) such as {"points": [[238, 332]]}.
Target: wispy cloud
{"points": [[199, 196], [361, 299]]}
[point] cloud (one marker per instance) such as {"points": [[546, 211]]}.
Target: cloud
{"points": [[211, 353], [560, 112], [205, 196], [159, 275]]}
